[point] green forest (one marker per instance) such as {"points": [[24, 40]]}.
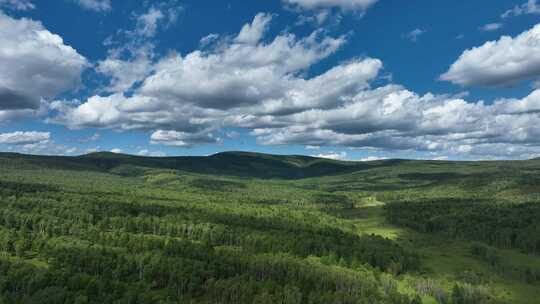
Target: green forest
{"points": [[254, 228]]}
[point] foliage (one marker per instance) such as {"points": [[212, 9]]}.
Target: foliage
{"points": [[250, 228]]}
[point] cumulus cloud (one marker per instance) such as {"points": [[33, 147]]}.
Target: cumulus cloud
{"points": [[20, 5], [125, 71], [240, 73], [186, 93], [116, 150], [393, 118], [35, 63], [252, 33], [131, 62], [529, 8], [345, 5], [498, 63], [259, 84], [24, 138], [95, 5], [244, 76]]}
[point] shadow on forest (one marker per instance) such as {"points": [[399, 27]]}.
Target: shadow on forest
{"points": [[20, 187], [423, 181]]}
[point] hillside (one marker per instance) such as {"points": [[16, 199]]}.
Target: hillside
{"points": [[241, 164], [241, 227]]}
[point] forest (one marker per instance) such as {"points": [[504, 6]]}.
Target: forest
{"points": [[254, 228]]}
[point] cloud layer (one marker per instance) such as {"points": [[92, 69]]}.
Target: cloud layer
{"points": [[263, 84], [498, 63], [24, 138]]}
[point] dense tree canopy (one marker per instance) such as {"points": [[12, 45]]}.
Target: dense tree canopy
{"points": [[103, 231]]}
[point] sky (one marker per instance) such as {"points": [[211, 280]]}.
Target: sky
{"points": [[343, 79]]}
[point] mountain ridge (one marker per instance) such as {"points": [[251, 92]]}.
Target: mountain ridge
{"points": [[230, 163], [234, 163]]}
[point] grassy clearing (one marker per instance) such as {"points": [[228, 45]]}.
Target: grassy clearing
{"points": [[447, 261]]}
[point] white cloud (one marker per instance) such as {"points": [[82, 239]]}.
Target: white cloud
{"points": [[125, 73], [529, 8], [95, 5], [182, 139], [414, 34], [372, 158], [332, 155], [491, 27], [147, 23], [34, 145], [393, 118], [131, 62], [159, 15], [116, 150], [498, 63], [261, 87], [24, 138], [20, 5], [194, 112], [252, 33], [345, 5], [35, 63]]}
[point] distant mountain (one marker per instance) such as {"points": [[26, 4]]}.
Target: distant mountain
{"points": [[242, 164]]}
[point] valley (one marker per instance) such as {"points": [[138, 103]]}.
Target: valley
{"points": [[253, 228]]}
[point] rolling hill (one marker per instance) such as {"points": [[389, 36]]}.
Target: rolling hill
{"points": [[241, 227], [241, 164]]}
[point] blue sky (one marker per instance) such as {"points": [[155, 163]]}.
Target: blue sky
{"points": [[356, 79]]}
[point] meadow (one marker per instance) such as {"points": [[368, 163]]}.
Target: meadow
{"points": [[253, 228]]}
